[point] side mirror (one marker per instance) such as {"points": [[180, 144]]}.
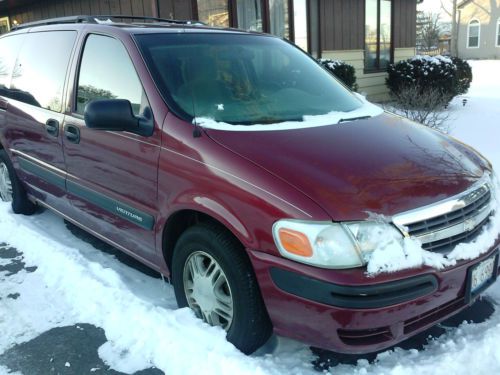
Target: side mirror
{"points": [[115, 115]]}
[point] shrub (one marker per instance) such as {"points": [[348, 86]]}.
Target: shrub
{"points": [[426, 73], [428, 109], [463, 76], [343, 71]]}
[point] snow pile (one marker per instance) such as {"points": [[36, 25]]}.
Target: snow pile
{"points": [[367, 109], [76, 283], [395, 254]]}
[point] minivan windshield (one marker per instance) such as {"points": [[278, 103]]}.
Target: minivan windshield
{"points": [[241, 79]]}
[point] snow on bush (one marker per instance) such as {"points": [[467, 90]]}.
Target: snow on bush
{"points": [[343, 71], [394, 254], [450, 77]]}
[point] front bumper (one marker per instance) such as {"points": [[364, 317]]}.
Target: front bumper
{"points": [[348, 312]]}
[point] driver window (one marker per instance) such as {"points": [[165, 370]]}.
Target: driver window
{"points": [[106, 72]]}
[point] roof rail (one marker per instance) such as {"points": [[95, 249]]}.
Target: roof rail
{"points": [[101, 19], [155, 19], [55, 21]]}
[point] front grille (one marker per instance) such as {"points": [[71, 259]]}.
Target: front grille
{"points": [[451, 218], [446, 245], [445, 224]]}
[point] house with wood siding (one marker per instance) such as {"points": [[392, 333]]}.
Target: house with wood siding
{"points": [[368, 34]]}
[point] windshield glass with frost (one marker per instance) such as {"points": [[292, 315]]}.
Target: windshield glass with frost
{"points": [[241, 79]]}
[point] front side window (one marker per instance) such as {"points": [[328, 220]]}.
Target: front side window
{"points": [[40, 70], [106, 72], [241, 79], [473, 34], [378, 36], [214, 12]]}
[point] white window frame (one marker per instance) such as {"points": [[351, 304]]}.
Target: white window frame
{"points": [[497, 39], [478, 34]]}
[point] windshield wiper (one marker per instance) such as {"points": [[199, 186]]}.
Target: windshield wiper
{"points": [[353, 119]]}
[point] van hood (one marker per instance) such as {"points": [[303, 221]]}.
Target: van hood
{"points": [[383, 165]]}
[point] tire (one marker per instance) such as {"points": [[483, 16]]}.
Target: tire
{"points": [[18, 197], [206, 247]]}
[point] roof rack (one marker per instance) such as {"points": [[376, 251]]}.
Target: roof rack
{"points": [[102, 19]]}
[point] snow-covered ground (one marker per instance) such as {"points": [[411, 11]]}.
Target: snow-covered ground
{"points": [[75, 283]]}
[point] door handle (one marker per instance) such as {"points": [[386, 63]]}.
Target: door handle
{"points": [[72, 133], [4, 104], [52, 127]]}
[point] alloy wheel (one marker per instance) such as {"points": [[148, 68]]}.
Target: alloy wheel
{"points": [[5, 183], [207, 290]]}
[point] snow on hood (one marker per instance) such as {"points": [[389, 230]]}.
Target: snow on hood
{"points": [[367, 109], [393, 255]]}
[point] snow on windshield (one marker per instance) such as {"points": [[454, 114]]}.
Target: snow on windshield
{"points": [[366, 110]]}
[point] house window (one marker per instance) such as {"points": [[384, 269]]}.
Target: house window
{"points": [[300, 24], [378, 38], [249, 14], [278, 18], [214, 12], [4, 25], [473, 34], [498, 33]]}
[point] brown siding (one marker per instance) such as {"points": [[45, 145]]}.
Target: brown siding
{"points": [[60, 8], [342, 24], [405, 23]]}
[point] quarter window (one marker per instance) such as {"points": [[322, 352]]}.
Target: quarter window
{"points": [[9, 49], [474, 34], [40, 70], [107, 72], [378, 36]]}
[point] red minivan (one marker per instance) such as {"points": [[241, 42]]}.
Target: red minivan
{"points": [[239, 168]]}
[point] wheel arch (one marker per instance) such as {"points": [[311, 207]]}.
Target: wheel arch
{"points": [[183, 219]]}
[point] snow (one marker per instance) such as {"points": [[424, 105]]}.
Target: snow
{"points": [[329, 119], [75, 283], [396, 254]]}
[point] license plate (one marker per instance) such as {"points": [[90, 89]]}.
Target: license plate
{"points": [[481, 276], [482, 273]]}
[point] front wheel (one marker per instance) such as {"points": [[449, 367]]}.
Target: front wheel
{"points": [[11, 189], [213, 276]]}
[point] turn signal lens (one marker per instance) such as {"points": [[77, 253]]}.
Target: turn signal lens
{"points": [[295, 242]]}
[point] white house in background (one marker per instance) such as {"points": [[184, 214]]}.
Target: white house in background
{"points": [[479, 29]]}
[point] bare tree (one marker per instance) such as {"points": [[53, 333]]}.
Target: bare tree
{"points": [[428, 30], [450, 8]]}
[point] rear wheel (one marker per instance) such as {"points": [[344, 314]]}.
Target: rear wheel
{"points": [[11, 189], [213, 276]]}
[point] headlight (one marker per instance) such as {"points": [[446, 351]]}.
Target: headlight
{"points": [[332, 245]]}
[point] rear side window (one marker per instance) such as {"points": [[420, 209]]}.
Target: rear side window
{"points": [[106, 72], [40, 70], [9, 49]]}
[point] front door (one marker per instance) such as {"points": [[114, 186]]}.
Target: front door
{"points": [[112, 176]]}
